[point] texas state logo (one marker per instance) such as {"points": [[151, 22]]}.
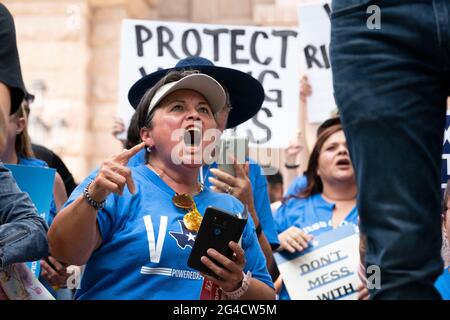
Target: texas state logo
{"points": [[185, 237]]}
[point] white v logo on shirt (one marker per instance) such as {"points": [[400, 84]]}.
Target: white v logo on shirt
{"points": [[155, 248]]}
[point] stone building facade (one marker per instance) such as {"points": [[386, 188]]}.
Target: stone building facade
{"points": [[69, 52]]}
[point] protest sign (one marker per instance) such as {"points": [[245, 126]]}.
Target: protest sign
{"points": [[38, 183], [268, 54], [326, 270], [314, 30]]}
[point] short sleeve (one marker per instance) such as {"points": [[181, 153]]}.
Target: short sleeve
{"points": [[105, 218], [296, 186]]}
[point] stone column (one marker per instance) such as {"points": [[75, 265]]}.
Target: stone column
{"points": [[54, 50]]}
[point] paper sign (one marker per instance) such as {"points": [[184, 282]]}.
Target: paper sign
{"points": [[314, 30], [326, 270], [269, 54]]}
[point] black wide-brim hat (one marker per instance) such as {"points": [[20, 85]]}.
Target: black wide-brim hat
{"points": [[10, 73], [246, 93]]}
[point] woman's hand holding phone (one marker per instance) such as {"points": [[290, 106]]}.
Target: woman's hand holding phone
{"points": [[231, 274]]}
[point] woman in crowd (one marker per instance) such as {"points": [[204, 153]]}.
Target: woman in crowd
{"points": [[18, 151], [328, 200], [136, 240], [22, 231], [244, 99]]}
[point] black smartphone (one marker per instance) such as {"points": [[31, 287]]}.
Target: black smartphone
{"points": [[217, 229]]}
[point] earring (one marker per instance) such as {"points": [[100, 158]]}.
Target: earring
{"points": [[149, 149]]}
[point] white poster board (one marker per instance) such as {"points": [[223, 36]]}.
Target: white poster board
{"points": [[269, 54], [314, 30], [326, 270]]}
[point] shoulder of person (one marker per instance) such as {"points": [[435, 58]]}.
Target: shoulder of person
{"points": [[295, 201]]}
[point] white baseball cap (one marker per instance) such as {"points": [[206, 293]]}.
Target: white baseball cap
{"points": [[207, 86]]}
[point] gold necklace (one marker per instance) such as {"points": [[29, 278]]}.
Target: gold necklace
{"points": [[192, 219]]}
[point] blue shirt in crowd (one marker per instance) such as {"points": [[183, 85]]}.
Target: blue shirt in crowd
{"points": [[442, 284], [146, 246], [313, 215], [296, 186], [260, 198], [259, 189]]}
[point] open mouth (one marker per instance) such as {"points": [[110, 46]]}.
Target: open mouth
{"points": [[343, 162], [192, 136]]}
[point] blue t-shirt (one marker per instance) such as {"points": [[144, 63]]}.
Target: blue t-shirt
{"points": [[259, 189], [296, 186], [442, 284], [145, 245], [260, 198], [33, 162], [313, 215]]}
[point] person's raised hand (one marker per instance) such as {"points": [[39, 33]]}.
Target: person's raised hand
{"points": [[305, 89], [294, 148], [239, 186], [118, 126], [114, 174]]}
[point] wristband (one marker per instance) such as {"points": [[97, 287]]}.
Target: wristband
{"points": [[291, 166], [96, 205], [236, 294]]}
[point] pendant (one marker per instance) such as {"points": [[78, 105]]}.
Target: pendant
{"points": [[184, 201], [193, 218]]}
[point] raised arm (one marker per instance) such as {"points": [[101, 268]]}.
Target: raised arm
{"points": [[74, 234]]}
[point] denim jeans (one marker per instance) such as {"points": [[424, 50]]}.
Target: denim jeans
{"points": [[391, 85]]}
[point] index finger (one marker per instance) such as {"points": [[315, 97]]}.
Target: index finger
{"points": [[127, 154]]}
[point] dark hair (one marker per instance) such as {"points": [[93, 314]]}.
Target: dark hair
{"points": [[314, 182], [274, 179], [328, 123], [133, 133]]}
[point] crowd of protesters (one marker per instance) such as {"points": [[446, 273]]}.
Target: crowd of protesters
{"points": [[128, 228]]}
